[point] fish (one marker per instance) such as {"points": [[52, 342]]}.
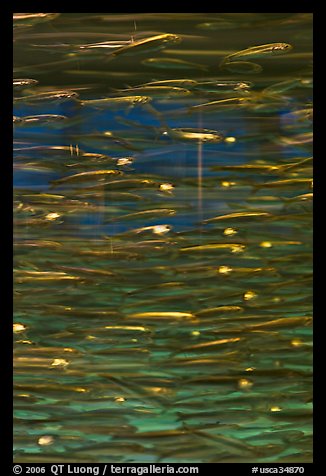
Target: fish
{"points": [[220, 103], [279, 88], [116, 101], [128, 184], [105, 44], [305, 138], [305, 197], [233, 247], [282, 322], [86, 176], [33, 18], [40, 119], [17, 120], [54, 150], [43, 276], [286, 183], [301, 115], [219, 309], [256, 167], [181, 83], [155, 229], [84, 271], [260, 51], [38, 244], [144, 45], [157, 91], [51, 96], [73, 47], [156, 308], [156, 315], [191, 134], [222, 86], [104, 141], [250, 168], [32, 167], [246, 67], [90, 159], [211, 343], [24, 83], [109, 254], [173, 63], [215, 26], [236, 215], [148, 214]]}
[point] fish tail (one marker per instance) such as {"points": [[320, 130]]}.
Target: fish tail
{"points": [[53, 184], [286, 203], [129, 108], [224, 61], [109, 57], [255, 188]]}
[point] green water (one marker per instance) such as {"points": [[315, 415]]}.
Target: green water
{"points": [[163, 310]]}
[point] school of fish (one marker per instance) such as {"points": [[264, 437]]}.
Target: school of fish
{"points": [[163, 199]]}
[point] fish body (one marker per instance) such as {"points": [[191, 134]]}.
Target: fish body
{"points": [[173, 63], [116, 101], [197, 135], [158, 91], [30, 19], [286, 183], [145, 45], [86, 176], [260, 51], [181, 83], [39, 120], [24, 83], [219, 104], [161, 315], [222, 86], [247, 67], [56, 96], [237, 215]]}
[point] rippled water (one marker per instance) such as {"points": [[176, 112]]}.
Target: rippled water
{"points": [[163, 310]]}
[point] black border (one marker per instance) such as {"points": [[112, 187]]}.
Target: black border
{"points": [[7, 215]]}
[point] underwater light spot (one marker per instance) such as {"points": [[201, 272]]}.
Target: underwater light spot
{"points": [[161, 229], [296, 342], [52, 216], [265, 244], [18, 327], [119, 399], [224, 269], [125, 161], [45, 440], [59, 363], [229, 231], [248, 295], [227, 184], [166, 187], [245, 384], [237, 248]]}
